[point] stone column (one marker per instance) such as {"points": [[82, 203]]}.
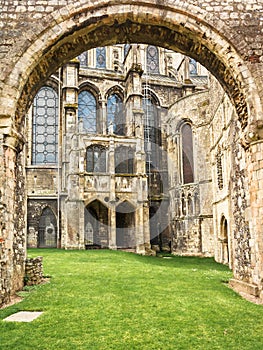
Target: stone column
{"points": [[112, 226], [255, 175], [103, 117], [248, 213], [12, 213], [112, 199], [139, 227]]}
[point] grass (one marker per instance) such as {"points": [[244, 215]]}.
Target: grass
{"points": [[117, 300]]}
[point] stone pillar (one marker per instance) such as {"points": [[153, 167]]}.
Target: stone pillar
{"points": [[255, 174], [103, 115], [12, 213], [112, 200], [134, 97], [248, 213], [146, 228], [139, 227], [112, 226]]}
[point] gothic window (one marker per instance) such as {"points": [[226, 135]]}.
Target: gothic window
{"points": [[152, 59], [96, 159], [87, 111], [192, 66], [124, 160], [219, 169], [101, 57], [115, 116], [150, 131], [83, 59], [45, 126], [187, 154], [126, 50]]}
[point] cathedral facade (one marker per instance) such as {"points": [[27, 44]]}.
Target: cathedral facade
{"points": [[121, 154]]}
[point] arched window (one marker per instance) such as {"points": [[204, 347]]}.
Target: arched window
{"points": [[151, 132], [115, 117], [45, 126], [187, 154], [96, 159], [87, 111], [124, 160], [101, 57], [152, 59]]}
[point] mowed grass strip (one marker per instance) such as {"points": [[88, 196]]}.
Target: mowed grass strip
{"points": [[115, 300]]}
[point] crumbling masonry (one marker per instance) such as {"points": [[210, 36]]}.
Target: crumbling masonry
{"points": [[38, 37]]}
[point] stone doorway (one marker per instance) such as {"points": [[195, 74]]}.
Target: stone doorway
{"points": [[125, 226], [47, 230], [96, 225]]}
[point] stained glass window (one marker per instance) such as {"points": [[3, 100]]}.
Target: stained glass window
{"points": [[101, 57], [187, 153], [83, 59], [150, 132], [96, 159], [45, 126], [87, 111], [115, 117], [152, 59], [124, 160]]}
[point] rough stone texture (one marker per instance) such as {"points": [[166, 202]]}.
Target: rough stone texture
{"points": [[38, 36], [33, 271]]}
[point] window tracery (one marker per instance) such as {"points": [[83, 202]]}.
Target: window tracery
{"points": [[115, 122], [152, 59], [96, 159], [87, 111], [187, 153], [45, 127]]}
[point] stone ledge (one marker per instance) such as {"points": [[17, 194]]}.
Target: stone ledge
{"points": [[244, 287]]}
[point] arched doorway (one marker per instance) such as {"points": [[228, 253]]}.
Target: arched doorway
{"points": [[224, 241], [95, 225], [125, 225], [47, 229]]}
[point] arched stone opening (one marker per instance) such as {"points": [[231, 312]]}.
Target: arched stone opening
{"points": [[89, 26], [125, 225], [223, 241], [186, 28], [96, 225]]}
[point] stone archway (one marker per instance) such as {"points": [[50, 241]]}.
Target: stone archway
{"points": [[65, 31]]}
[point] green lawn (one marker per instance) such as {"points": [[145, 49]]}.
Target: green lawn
{"points": [[117, 300]]}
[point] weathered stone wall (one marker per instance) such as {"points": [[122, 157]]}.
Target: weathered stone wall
{"points": [[35, 209], [33, 271], [192, 228], [38, 36]]}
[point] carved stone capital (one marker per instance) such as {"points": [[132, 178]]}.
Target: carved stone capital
{"points": [[14, 140], [253, 133]]}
